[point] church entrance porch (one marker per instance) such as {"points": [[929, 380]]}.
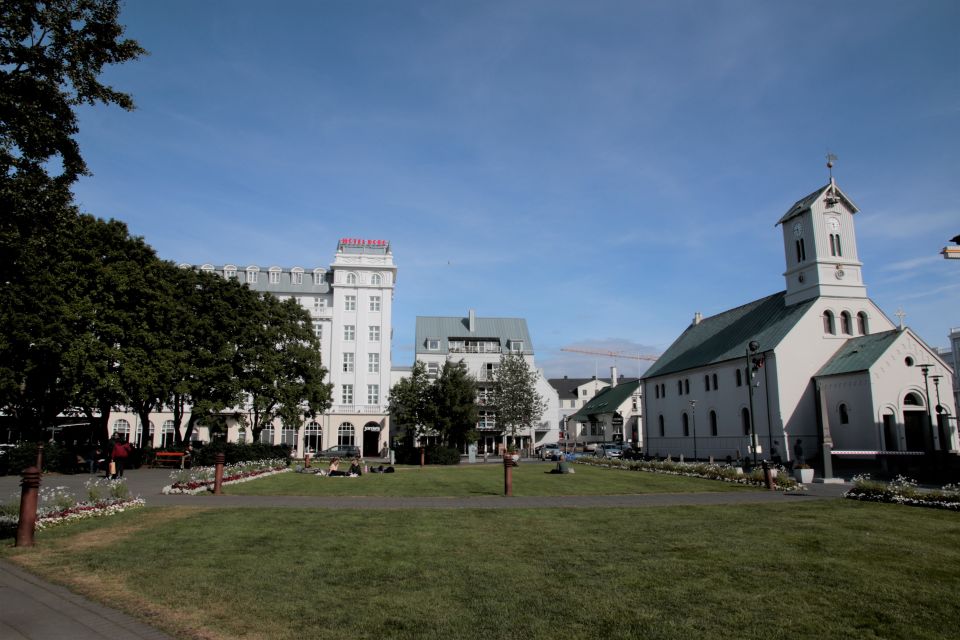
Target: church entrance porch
{"points": [[914, 427]]}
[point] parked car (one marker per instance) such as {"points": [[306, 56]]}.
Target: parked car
{"points": [[340, 451], [608, 450], [549, 451]]}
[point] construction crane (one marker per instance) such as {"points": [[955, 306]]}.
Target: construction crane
{"points": [[613, 354]]}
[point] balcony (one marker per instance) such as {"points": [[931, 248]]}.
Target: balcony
{"points": [[358, 408]]}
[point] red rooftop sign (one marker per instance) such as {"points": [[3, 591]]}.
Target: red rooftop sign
{"points": [[360, 242]]}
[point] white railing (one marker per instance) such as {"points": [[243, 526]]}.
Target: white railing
{"points": [[358, 408]]}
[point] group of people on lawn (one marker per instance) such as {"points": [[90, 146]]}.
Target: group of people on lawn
{"points": [[355, 470], [111, 459]]}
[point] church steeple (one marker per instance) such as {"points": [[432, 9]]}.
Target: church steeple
{"points": [[820, 246]]}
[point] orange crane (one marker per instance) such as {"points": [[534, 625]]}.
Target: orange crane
{"points": [[612, 354]]}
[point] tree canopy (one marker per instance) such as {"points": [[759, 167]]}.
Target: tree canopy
{"points": [[515, 395]]}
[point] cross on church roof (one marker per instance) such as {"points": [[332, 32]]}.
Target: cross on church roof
{"points": [[900, 314]]}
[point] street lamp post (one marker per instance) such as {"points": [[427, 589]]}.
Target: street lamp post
{"points": [[751, 371], [925, 368], [693, 411]]}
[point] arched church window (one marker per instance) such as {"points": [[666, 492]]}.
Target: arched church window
{"points": [[715, 382], [679, 387], [912, 400], [706, 383], [713, 423], [745, 419], [739, 377], [844, 414], [662, 429], [686, 385], [686, 425], [828, 323], [845, 323], [862, 325]]}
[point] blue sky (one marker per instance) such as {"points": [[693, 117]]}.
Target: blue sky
{"points": [[603, 169]]}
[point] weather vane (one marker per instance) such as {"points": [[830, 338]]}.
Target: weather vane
{"points": [[831, 158]]}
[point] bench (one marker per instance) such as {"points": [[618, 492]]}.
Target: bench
{"points": [[170, 457]]}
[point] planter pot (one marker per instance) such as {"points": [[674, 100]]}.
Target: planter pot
{"points": [[803, 476]]}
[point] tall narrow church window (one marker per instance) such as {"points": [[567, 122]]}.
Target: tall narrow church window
{"points": [[679, 387], [662, 430], [686, 385], [839, 250], [803, 250], [739, 377], [799, 259], [713, 423], [828, 323], [686, 425], [835, 249], [862, 327], [745, 419], [844, 415], [845, 323], [715, 382], [656, 390], [706, 383], [663, 391]]}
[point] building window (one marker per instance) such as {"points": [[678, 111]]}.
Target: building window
{"points": [[167, 434], [662, 428], [686, 425], [137, 438], [274, 277], [433, 369], [801, 251], [844, 416], [319, 304], [739, 377], [433, 344], [862, 325], [288, 436], [345, 434], [313, 437], [350, 303], [656, 390], [318, 329], [835, 245], [487, 420], [679, 387], [376, 279], [373, 363], [266, 436], [229, 273], [349, 332], [745, 419], [516, 346], [351, 278], [252, 275], [846, 323], [374, 333], [296, 277], [713, 423], [686, 386], [829, 326], [706, 383], [374, 303], [346, 394], [348, 363], [318, 277], [583, 392], [121, 429], [663, 390], [373, 394]]}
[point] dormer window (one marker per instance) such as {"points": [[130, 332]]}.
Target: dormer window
{"points": [[229, 272], [252, 274], [516, 346], [274, 276], [296, 275], [318, 277], [433, 344]]}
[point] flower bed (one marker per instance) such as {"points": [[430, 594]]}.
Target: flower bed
{"points": [[56, 505], [704, 470], [201, 479], [903, 490]]}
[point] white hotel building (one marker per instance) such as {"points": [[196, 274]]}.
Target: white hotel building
{"points": [[351, 304]]}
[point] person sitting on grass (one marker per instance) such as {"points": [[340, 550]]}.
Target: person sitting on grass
{"points": [[355, 468], [334, 469]]}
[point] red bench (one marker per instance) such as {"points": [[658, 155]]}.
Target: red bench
{"points": [[170, 457]]}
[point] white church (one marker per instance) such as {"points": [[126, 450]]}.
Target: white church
{"points": [[816, 370]]}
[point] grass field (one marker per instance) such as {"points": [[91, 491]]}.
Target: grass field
{"points": [[481, 480], [807, 569]]}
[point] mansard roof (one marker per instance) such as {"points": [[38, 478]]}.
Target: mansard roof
{"points": [[725, 336], [444, 328]]}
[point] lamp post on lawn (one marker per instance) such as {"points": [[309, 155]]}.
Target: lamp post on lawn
{"points": [[693, 412], [925, 369], [751, 372]]}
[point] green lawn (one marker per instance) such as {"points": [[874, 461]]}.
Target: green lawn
{"points": [[804, 569], [480, 480]]}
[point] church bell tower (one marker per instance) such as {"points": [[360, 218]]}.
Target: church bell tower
{"points": [[820, 247]]}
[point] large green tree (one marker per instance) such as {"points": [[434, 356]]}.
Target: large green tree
{"points": [[515, 396], [454, 405], [411, 405]]}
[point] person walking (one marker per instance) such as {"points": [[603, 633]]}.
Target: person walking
{"points": [[120, 454]]}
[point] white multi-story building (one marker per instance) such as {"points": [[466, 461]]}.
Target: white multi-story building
{"points": [[351, 305], [479, 343], [589, 428]]}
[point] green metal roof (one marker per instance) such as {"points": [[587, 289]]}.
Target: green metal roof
{"points": [[859, 354], [443, 328], [725, 336], [607, 401]]}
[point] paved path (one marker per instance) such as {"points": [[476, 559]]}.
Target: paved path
{"points": [[33, 609]]}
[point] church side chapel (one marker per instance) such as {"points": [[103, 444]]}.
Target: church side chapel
{"points": [[815, 374]]}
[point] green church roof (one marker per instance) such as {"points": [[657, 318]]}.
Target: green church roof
{"points": [[725, 336], [859, 354]]}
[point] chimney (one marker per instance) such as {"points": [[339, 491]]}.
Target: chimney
{"points": [[697, 318], [613, 377], [472, 321]]}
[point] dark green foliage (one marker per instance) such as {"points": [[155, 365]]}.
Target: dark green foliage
{"points": [[454, 405], [56, 458], [442, 455], [234, 452]]}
